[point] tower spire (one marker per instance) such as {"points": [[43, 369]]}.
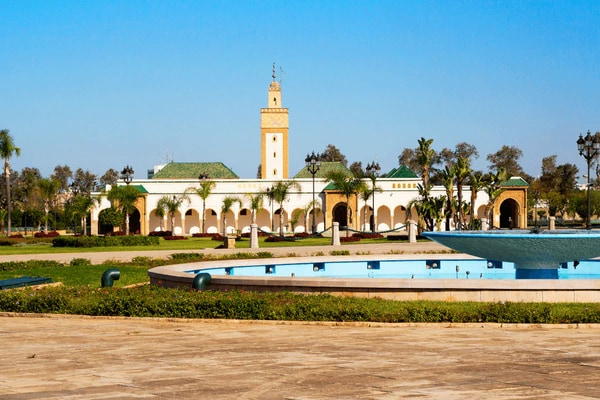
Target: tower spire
{"points": [[274, 76]]}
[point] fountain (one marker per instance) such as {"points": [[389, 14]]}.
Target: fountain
{"points": [[536, 255]]}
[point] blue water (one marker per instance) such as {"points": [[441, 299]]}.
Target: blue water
{"points": [[417, 269]]}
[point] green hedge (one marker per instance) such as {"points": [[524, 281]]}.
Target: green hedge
{"points": [[150, 301], [104, 241]]}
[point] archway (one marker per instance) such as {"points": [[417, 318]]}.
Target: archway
{"points": [[134, 222], [509, 214], [340, 214]]}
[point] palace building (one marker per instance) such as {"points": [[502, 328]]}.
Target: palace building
{"points": [[387, 209]]}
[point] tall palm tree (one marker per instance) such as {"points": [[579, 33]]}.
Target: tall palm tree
{"points": [[348, 185], [205, 189], [462, 170], [494, 188], [476, 183], [7, 149], [125, 198], [256, 203], [365, 195], [281, 191], [227, 205], [425, 158], [171, 204], [448, 176], [160, 213], [48, 191]]}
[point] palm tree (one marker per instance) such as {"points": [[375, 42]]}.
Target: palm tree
{"points": [[280, 192], [48, 190], [348, 185], [311, 206], [7, 149], [205, 189], [476, 183], [82, 204], [160, 214], [462, 170], [228, 203], [365, 195], [270, 194], [448, 175], [125, 198], [425, 157], [256, 203], [3, 214], [494, 188], [171, 204]]}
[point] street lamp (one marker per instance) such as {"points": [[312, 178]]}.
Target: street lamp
{"points": [[313, 164], [373, 172], [127, 174], [588, 148]]}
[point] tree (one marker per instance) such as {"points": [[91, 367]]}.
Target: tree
{"points": [[493, 188], [357, 169], [426, 156], [448, 176], [280, 192], [110, 177], [365, 195], [48, 189], [123, 199], [462, 170], [84, 182], [348, 185], [7, 150], [332, 153], [171, 204], [476, 183], [205, 189], [463, 149], [256, 203], [62, 173], [160, 213], [508, 159], [80, 207], [228, 203]]}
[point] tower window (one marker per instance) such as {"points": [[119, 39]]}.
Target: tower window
{"points": [[275, 100], [275, 172], [274, 154], [274, 138]]}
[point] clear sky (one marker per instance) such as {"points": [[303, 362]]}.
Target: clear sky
{"points": [[102, 84]]}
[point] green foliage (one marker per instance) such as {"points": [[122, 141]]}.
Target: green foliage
{"points": [[104, 241], [339, 253], [80, 261], [28, 265], [150, 301]]}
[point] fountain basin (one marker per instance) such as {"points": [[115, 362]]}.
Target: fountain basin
{"points": [[535, 255]]}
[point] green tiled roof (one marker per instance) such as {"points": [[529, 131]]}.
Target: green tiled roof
{"points": [[325, 168], [401, 172], [191, 170], [515, 181], [141, 189]]}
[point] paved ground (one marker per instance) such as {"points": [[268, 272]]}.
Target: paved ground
{"points": [[99, 257], [62, 357], [101, 358]]}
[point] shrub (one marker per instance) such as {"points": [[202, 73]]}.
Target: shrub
{"points": [[175, 238], [187, 256], [347, 239], [80, 261], [368, 235], [339, 253], [161, 233], [106, 241], [51, 234]]}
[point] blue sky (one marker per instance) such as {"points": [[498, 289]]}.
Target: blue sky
{"points": [[102, 84]]}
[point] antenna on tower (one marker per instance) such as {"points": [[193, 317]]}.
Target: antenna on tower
{"points": [[274, 76]]}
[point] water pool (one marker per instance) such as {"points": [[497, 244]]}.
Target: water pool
{"points": [[400, 269]]}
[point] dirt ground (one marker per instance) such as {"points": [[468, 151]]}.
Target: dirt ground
{"points": [[66, 357]]}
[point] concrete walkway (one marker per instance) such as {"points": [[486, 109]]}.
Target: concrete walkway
{"points": [[100, 257], [60, 357]]}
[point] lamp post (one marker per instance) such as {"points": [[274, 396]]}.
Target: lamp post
{"points": [[313, 165], [127, 176], [588, 148], [373, 172]]}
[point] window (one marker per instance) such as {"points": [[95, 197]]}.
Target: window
{"points": [[274, 171], [274, 154], [274, 138]]}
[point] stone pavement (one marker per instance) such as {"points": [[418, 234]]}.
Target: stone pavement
{"points": [[66, 357], [100, 257]]}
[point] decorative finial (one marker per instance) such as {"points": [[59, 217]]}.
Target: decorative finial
{"points": [[273, 72]]}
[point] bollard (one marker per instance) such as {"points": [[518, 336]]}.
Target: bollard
{"points": [[412, 231], [552, 223], [335, 234], [201, 280], [109, 276], [253, 236], [484, 224]]}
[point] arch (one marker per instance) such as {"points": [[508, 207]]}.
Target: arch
{"points": [[244, 220], [192, 221], [211, 224], [400, 217], [299, 224], [230, 227], [509, 214], [384, 218], [104, 229], [366, 214], [263, 219], [280, 218], [135, 222], [156, 223], [319, 219], [176, 228], [481, 212], [340, 214]]}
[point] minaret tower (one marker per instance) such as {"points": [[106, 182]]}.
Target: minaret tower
{"points": [[274, 135]]}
